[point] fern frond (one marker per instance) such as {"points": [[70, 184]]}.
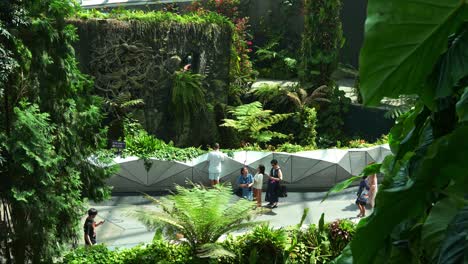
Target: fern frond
{"points": [[131, 103]]}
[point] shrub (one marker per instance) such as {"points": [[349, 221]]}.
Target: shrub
{"points": [[98, 254], [264, 245], [158, 251], [340, 233], [141, 144]]}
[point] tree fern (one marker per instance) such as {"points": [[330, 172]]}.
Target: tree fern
{"points": [[253, 121], [202, 215]]}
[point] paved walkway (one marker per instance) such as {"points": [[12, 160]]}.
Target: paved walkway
{"points": [[123, 230]]}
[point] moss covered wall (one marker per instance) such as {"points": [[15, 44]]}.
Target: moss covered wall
{"points": [[139, 58]]}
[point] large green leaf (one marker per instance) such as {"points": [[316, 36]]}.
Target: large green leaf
{"points": [[404, 39], [370, 169], [434, 227], [453, 65], [456, 241], [445, 159], [462, 107]]}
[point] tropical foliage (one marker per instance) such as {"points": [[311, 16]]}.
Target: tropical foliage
{"points": [[264, 244], [253, 122], [49, 126], [321, 41], [418, 47], [188, 97], [201, 215], [141, 144]]}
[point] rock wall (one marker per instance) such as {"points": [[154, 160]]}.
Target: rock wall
{"points": [[138, 58]]}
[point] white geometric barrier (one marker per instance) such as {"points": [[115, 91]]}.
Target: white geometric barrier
{"points": [[307, 170]]}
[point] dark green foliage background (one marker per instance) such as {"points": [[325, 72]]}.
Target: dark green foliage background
{"points": [[49, 126]]}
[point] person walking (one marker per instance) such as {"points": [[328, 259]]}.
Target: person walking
{"points": [[276, 175], [245, 182], [215, 158], [362, 196], [90, 227], [258, 184]]}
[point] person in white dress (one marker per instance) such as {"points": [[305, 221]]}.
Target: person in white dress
{"points": [[258, 183], [215, 158]]}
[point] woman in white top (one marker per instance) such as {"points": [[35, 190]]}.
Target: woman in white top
{"points": [[258, 183]]}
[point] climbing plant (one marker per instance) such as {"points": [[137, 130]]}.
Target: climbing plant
{"points": [[321, 41], [49, 127], [421, 213]]}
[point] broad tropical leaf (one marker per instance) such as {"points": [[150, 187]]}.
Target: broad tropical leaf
{"points": [[369, 170], [404, 39], [436, 224], [462, 107], [446, 158], [455, 245], [453, 65]]}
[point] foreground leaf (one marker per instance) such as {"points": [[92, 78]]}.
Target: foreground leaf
{"points": [[404, 39]]}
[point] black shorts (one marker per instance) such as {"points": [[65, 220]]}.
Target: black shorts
{"points": [[361, 202]]}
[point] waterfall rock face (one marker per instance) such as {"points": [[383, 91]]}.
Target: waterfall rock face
{"points": [[141, 58]]}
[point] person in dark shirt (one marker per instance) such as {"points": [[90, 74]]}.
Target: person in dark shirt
{"points": [[362, 196], [90, 226]]}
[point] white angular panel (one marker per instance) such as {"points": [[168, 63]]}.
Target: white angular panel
{"points": [[308, 169], [162, 170], [321, 179], [329, 155], [345, 162]]}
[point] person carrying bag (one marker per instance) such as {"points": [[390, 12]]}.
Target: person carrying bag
{"points": [[273, 190]]}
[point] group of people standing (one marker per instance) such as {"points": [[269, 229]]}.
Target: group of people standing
{"points": [[250, 186]]}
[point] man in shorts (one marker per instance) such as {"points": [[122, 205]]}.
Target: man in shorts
{"points": [[215, 158]]}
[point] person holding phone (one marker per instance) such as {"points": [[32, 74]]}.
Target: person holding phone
{"points": [[90, 227]]}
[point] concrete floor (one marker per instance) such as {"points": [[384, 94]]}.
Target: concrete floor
{"points": [[124, 230]]}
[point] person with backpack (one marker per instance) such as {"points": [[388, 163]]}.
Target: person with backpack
{"points": [[245, 182], [362, 196]]}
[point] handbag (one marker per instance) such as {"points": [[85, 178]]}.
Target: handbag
{"points": [[282, 190]]}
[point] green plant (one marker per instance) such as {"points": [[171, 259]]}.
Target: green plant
{"points": [[273, 62], [340, 233], [187, 97], [50, 126], [159, 251], [263, 245], [201, 215], [254, 122], [308, 134], [421, 208], [330, 116], [321, 41], [141, 144]]}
